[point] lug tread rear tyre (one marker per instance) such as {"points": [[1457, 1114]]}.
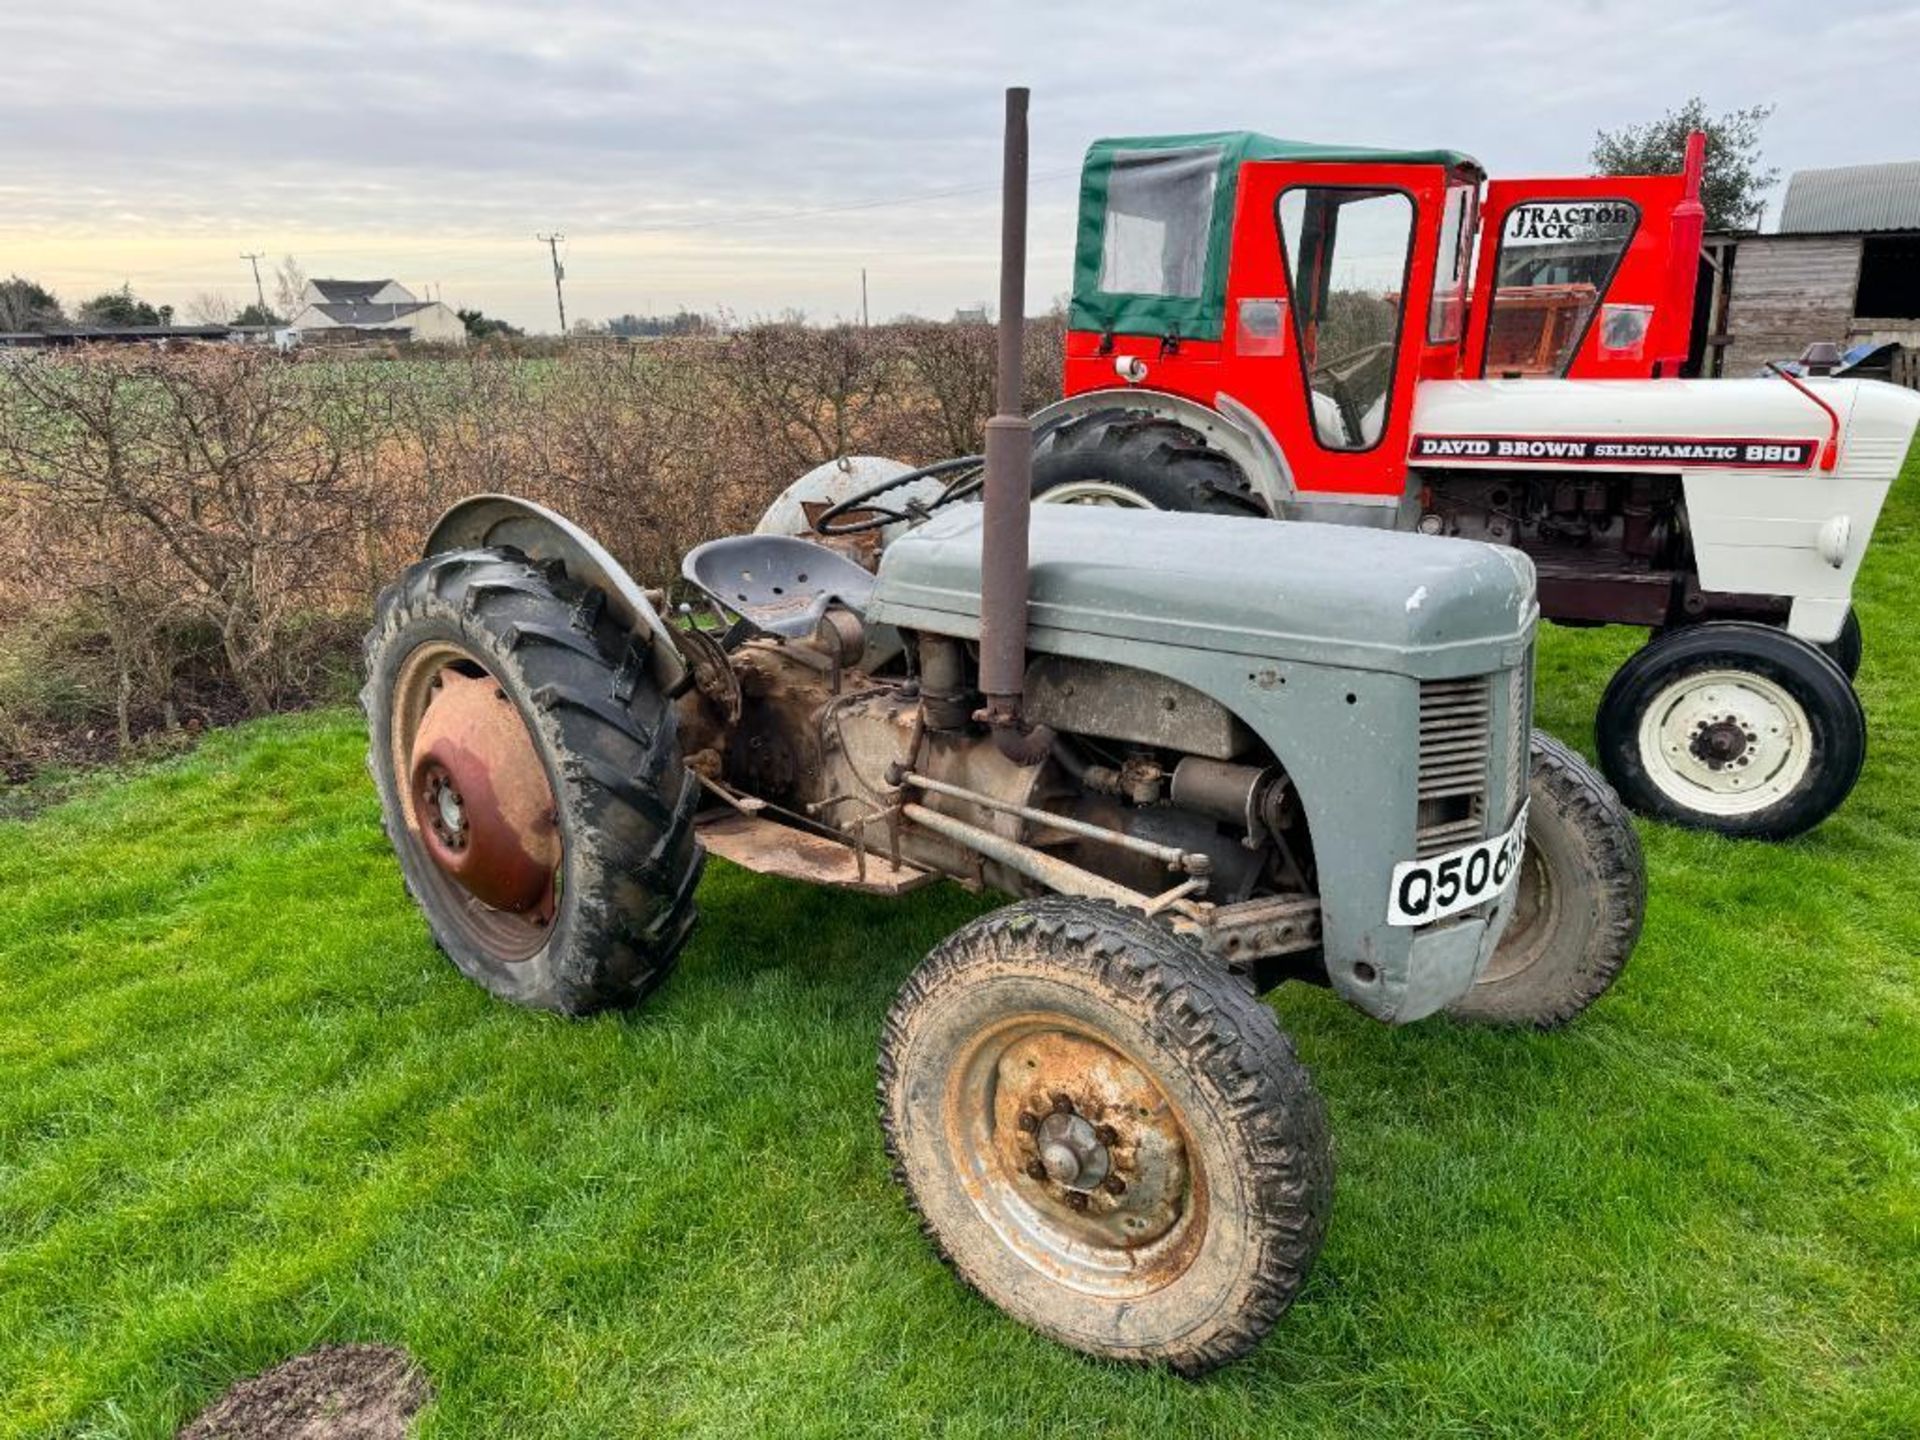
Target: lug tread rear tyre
{"points": [[1602, 880], [610, 747], [1222, 1035], [1167, 465]]}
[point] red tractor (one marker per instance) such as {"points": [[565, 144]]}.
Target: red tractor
{"points": [[1386, 338]]}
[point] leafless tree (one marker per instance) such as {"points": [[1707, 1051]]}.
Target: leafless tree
{"points": [[210, 307], [289, 287]]}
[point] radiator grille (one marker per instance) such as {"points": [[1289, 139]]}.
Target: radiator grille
{"points": [[1519, 732], [1456, 723]]}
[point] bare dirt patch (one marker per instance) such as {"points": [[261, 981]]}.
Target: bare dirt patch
{"points": [[337, 1392]]}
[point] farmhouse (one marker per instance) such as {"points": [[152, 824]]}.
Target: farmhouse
{"points": [[382, 309], [1843, 267]]}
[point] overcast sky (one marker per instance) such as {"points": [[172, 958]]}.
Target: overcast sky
{"points": [[754, 156]]}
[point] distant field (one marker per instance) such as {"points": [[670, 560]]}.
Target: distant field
{"points": [[246, 1108]]}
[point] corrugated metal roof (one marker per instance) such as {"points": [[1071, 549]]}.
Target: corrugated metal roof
{"points": [[1853, 197]]}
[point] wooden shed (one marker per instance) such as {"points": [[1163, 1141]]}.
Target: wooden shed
{"points": [[1844, 267]]}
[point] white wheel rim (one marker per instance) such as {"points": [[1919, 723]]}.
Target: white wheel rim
{"points": [[1096, 492], [1726, 742]]}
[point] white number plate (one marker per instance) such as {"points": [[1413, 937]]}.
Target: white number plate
{"points": [[1428, 890]]}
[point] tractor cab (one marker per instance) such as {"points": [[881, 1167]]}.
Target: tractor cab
{"points": [[1314, 286]]}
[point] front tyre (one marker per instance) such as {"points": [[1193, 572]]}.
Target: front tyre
{"points": [[1578, 905], [1106, 1134], [1732, 727], [530, 781]]}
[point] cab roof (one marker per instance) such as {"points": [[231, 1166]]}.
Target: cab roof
{"points": [[1244, 145], [1200, 219]]}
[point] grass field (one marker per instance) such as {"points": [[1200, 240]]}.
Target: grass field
{"points": [[245, 1108]]}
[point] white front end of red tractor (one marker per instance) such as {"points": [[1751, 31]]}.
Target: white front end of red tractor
{"points": [[1783, 480]]}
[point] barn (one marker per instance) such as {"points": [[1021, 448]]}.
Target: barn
{"points": [[1843, 266]]}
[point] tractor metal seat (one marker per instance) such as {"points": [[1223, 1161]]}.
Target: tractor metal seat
{"points": [[780, 584]]}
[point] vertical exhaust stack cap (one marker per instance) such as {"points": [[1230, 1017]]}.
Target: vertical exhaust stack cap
{"points": [[1009, 480]]}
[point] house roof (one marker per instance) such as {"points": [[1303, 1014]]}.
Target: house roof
{"points": [[1853, 197], [349, 292], [370, 315]]}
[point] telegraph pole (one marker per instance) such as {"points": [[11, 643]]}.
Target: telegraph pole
{"points": [[552, 242], [259, 290], [864, 320]]}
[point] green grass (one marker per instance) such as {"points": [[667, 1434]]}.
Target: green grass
{"points": [[246, 1108]]}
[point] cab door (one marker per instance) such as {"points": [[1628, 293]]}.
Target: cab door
{"points": [[1589, 276], [1327, 309]]}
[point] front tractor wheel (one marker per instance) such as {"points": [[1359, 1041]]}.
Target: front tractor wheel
{"points": [[530, 782], [1578, 905], [1106, 1134], [1732, 727]]}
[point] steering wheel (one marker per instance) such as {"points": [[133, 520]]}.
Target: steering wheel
{"points": [[1333, 377], [833, 520]]}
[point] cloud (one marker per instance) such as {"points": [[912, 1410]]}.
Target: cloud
{"points": [[675, 143]]}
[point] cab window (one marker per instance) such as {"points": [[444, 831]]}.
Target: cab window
{"points": [[1556, 259], [1446, 315], [1345, 250], [1159, 210]]}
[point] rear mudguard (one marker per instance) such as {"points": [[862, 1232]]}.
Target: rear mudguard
{"points": [[506, 521]]}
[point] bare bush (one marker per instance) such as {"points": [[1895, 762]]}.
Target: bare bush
{"points": [[196, 490], [211, 523]]}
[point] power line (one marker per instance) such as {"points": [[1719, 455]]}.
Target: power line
{"points": [[552, 242]]}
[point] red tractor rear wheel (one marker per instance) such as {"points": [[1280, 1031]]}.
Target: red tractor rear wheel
{"points": [[1137, 459]]}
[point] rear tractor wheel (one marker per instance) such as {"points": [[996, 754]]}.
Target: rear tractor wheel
{"points": [[530, 782], [1133, 459], [1578, 903], [1106, 1134], [1732, 727]]}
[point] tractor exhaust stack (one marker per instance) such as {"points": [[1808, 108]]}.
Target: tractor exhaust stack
{"points": [[1009, 478]]}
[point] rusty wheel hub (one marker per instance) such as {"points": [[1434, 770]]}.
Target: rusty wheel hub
{"points": [[1077, 1158], [482, 806]]}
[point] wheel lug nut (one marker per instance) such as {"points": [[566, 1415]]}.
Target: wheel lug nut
{"points": [[1036, 1171], [1077, 1199], [1107, 1135], [1063, 1104], [1028, 1121], [1115, 1185]]}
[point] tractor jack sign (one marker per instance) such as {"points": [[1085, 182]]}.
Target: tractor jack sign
{"points": [[1543, 223], [1716, 453]]}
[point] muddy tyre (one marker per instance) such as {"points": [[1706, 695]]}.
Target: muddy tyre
{"points": [[1105, 1134], [1732, 727], [1131, 458], [530, 781], [1579, 901]]}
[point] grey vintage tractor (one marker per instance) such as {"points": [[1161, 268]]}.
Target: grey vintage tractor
{"points": [[1320, 770]]}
